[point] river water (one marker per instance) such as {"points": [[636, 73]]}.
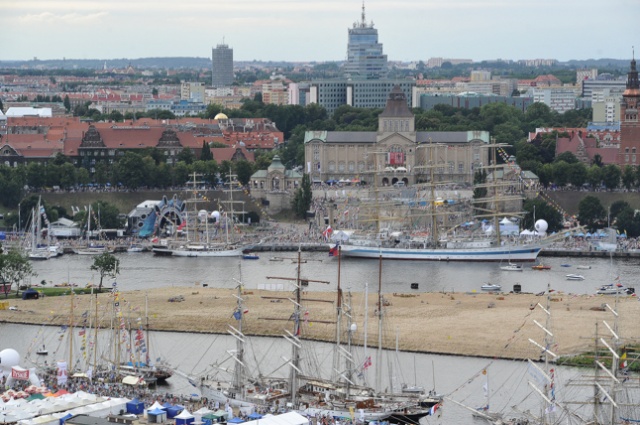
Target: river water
{"points": [[139, 271], [459, 377]]}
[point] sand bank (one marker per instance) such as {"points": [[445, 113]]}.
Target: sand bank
{"points": [[476, 324]]}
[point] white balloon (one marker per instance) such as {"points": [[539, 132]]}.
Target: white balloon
{"points": [[216, 215], [9, 358], [541, 226]]}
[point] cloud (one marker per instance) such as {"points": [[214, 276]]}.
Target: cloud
{"points": [[67, 18]]}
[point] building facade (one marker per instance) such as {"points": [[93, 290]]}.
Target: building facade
{"points": [[365, 59], [331, 94], [221, 66], [396, 152], [629, 125]]}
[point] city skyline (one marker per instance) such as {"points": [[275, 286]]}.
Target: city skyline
{"points": [[305, 30]]}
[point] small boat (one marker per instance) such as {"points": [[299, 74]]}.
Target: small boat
{"points": [[276, 259], [565, 265], [583, 267], [491, 287], [511, 267], [250, 257], [612, 289], [42, 351], [541, 267], [575, 277], [135, 248]]}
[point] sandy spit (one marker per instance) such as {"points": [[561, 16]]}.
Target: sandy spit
{"points": [[472, 324]]}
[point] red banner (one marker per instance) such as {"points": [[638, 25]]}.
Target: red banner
{"points": [[396, 158], [22, 375]]}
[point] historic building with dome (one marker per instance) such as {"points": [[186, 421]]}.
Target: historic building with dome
{"points": [[396, 153]]}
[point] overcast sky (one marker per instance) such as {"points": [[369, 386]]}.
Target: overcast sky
{"points": [[306, 30]]}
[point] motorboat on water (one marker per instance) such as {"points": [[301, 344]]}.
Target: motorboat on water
{"points": [[512, 267], [491, 287], [575, 277], [615, 289], [583, 267]]}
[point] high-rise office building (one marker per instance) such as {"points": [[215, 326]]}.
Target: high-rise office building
{"points": [[365, 60], [221, 66]]}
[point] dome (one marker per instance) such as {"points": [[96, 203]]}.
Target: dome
{"points": [[221, 116]]}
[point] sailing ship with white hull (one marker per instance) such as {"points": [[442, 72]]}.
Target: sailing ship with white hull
{"points": [[499, 198]]}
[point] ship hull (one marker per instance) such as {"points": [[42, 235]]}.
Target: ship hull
{"points": [[495, 254]]}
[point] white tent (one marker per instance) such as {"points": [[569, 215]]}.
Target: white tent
{"points": [[289, 418]]}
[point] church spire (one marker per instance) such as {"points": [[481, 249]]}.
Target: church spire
{"points": [[632, 75]]}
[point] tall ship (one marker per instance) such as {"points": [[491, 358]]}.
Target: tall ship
{"points": [[425, 226], [206, 234]]}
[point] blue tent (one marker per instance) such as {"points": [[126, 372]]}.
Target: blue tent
{"points": [[174, 411], [255, 415], [156, 415], [235, 420], [65, 417], [135, 406]]}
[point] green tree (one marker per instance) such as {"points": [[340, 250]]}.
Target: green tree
{"points": [[616, 208], [130, 169], [67, 103], [543, 211], [108, 214], [14, 267], [302, 197], [205, 154], [577, 174], [628, 222], [611, 176], [107, 265], [244, 170], [560, 173], [186, 155], [594, 176], [628, 177], [591, 211], [567, 157]]}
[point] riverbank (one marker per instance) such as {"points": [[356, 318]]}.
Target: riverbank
{"points": [[469, 324]]}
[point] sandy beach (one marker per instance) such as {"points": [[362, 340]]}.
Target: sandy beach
{"points": [[474, 324]]}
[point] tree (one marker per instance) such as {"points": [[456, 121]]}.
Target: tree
{"points": [[14, 267], [567, 157], [244, 170], [560, 173], [67, 103], [628, 177], [542, 211], [616, 208], [206, 154], [577, 174], [108, 214], [611, 176], [628, 222], [594, 176], [302, 198], [107, 265], [130, 169], [186, 155], [590, 211]]}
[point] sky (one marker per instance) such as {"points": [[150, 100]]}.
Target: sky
{"points": [[316, 30]]}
